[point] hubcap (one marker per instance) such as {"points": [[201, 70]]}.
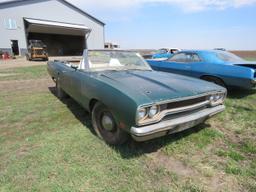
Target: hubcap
{"points": [[107, 122]]}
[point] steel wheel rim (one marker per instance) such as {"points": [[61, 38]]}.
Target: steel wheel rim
{"points": [[107, 122]]}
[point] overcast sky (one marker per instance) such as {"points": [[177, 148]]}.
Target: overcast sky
{"points": [[197, 24]]}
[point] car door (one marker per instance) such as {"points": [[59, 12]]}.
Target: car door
{"points": [[195, 65], [176, 64], [78, 89], [65, 78], [75, 76]]}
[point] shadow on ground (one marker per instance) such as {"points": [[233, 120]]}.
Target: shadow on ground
{"points": [[240, 93], [134, 149], [131, 148]]}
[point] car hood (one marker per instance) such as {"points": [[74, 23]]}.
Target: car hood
{"points": [[154, 86]]}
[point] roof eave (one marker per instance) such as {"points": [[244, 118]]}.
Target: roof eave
{"points": [[64, 1]]}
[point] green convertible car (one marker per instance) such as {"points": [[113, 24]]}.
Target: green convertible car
{"points": [[126, 97]]}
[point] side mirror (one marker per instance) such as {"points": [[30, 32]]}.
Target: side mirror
{"points": [[74, 67]]}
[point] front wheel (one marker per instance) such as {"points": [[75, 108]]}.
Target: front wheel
{"points": [[106, 127]]}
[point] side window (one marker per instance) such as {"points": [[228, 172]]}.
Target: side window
{"points": [[195, 58], [192, 58], [180, 57], [10, 24]]}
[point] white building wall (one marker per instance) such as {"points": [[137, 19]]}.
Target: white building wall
{"points": [[52, 10]]}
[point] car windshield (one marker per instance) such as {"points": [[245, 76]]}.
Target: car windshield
{"points": [[228, 57], [116, 60]]}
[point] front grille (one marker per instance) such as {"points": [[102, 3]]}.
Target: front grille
{"points": [[39, 52], [183, 114], [186, 103]]}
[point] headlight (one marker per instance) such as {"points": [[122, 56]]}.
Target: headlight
{"points": [[142, 112], [147, 115], [153, 111], [217, 98]]}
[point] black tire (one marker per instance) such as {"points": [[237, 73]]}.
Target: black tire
{"points": [[214, 80], [59, 91], [113, 135]]}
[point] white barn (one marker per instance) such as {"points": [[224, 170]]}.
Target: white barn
{"points": [[64, 28]]}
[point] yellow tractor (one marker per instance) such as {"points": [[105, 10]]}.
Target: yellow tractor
{"points": [[37, 50]]}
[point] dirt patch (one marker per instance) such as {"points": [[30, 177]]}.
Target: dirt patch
{"points": [[20, 62], [23, 151], [26, 85], [245, 54], [219, 181], [170, 163], [7, 74]]}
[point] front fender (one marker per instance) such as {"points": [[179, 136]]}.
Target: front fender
{"points": [[122, 106]]}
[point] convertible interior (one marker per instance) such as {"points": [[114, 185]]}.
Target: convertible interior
{"points": [[79, 63]]}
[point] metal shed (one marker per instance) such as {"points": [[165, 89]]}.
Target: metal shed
{"points": [[64, 28]]}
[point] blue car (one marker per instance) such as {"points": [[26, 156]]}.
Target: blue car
{"points": [[220, 67], [165, 53]]}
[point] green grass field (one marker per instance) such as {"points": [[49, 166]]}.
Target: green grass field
{"points": [[49, 145]]}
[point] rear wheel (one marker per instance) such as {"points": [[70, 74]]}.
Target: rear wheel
{"points": [[214, 80], [105, 125]]}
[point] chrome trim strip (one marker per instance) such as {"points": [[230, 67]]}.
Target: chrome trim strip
{"points": [[161, 128], [186, 108]]}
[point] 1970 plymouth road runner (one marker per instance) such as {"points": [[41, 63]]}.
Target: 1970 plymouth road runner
{"points": [[126, 97], [220, 67]]}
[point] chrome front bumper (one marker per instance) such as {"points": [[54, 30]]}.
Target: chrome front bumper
{"points": [[174, 125]]}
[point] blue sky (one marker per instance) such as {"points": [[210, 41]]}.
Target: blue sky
{"points": [[201, 24]]}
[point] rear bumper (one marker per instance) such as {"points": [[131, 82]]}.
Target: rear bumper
{"points": [[174, 125]]}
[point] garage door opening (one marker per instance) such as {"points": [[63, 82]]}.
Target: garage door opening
{"points": [[60, 45], [61, 39]]}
